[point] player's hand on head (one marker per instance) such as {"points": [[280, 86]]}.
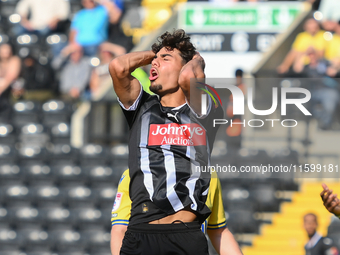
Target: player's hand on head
{"points": [[199, 58], [330, 200], [197, 55]]}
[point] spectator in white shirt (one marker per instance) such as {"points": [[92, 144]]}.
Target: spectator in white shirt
{"points": [[44, 15]]}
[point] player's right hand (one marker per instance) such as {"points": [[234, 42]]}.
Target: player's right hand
{"points": [[330, 200]]}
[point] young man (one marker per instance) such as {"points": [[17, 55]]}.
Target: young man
{"points": [[215, 225], [169, 140], [316, 244]]}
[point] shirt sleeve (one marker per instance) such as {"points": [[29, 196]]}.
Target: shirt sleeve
{"points": [[75, 21], [134, 106], [131, 112], [299, 42], [121, 209], [63, 9], [22, 8], [217, 217], [201, 116]]}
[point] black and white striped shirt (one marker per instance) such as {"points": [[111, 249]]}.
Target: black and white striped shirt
{"points": [[166, 148]]}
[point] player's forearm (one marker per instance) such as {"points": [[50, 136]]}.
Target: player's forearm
{"points": [[124, 65], [194, 69], [192, 73], [117, 235], [224, 242], [127, 87]]}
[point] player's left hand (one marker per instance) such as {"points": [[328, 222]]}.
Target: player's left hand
{"points": [[192, 69], [330, 200], [199, 58]]}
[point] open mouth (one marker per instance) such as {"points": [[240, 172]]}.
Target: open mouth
{"points": [[153, 74]]}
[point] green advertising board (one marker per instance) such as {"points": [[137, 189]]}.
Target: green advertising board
{"points": [[266, 17]]}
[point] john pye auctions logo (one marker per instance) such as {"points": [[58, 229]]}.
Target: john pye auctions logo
{"points": [[177, 134]]}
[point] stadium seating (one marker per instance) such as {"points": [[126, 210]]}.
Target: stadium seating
{"points": [[65, 172], [59, 132], [11, 251], [62, 152], [36, 170], [55, 112], [97, 238], [26, 112], [31, 236], [264, 197], [93, 154], [66, 238], [105, 193], [10, 172], [14, 190], [8, 154], [54, 213], [242, 221], [7, 133], [8, 239], [3, 214], [101, 174], [236, 197], [21, 212]]}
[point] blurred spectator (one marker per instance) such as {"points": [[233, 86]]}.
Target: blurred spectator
{"points": [[116, 9], [38, 81], [116, 34], [75, 70], [100, 76], [316, 245], [119, 4], [89, 27], [332, 52], [330, 10], [311, 37], [10, 66], [41, 16], [323, 88]]}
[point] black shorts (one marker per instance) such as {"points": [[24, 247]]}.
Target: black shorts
{"points": [[167, 239]]}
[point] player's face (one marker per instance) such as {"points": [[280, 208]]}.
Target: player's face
{"points": [[310, 225], [165, 70]]}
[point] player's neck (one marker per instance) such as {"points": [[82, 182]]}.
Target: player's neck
{"points": [[173, 99]]}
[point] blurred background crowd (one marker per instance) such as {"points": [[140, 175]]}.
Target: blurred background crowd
{"points": [[63, 137]]}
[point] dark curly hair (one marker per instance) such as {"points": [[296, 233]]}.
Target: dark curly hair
{"points": [[177, 40]]}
